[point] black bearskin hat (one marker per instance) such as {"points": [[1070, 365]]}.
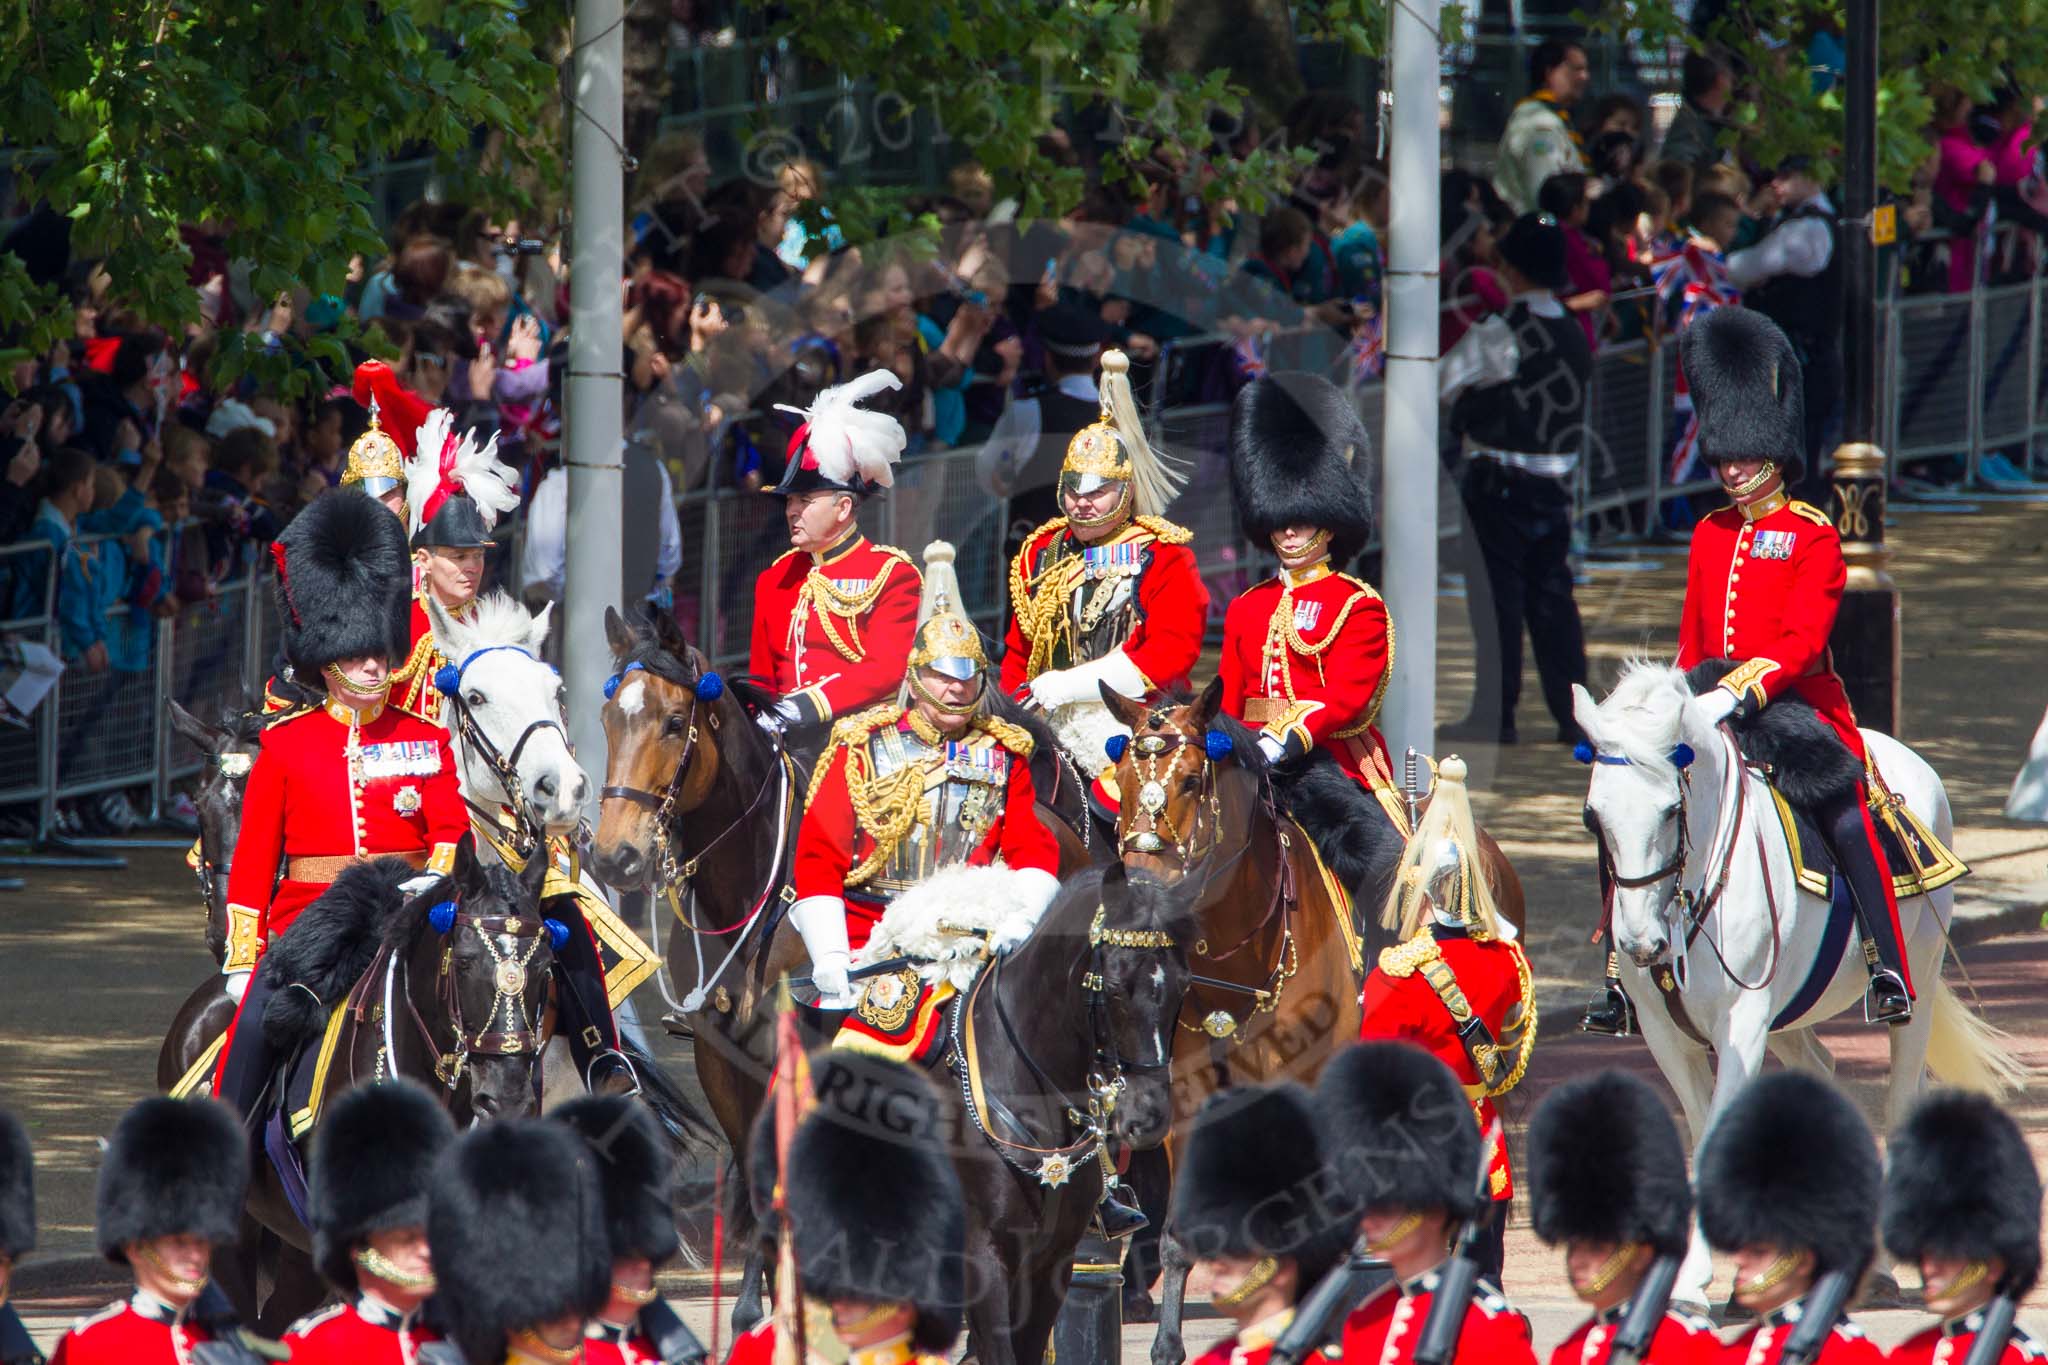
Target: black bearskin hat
{"points": [[1792, 1164], [516, 1220], [1534, 245], [17, 1190], [344, 583], [1607, 1165], [1396, 1126], [172, 1167], [636, 1169], [373, 1154], [1959, 1181], [1300, 456], [869, 1165], [1745, 382], [1253, 1183]]}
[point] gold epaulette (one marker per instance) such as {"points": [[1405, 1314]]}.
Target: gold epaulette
{"points": [[1009, 734], [850, 732], [1811, 513], [1405, 959], [1166, 532]]}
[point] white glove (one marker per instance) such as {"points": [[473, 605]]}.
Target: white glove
{"points": [[236, 985], [1714, 705], [828, 974], [821, 922], [419, 883], [1273, 749], [1080, 683], [788, 712], [770, 721], [1050, 689]]}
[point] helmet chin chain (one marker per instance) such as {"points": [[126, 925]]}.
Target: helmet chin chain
{"points": [[1755, 483], [924, 694], [1115, 516]]}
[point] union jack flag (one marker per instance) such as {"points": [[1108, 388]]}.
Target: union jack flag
{"points": [[1366, 356]]}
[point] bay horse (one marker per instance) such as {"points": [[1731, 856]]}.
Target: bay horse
{"points": [[454, 995], [1746, 948]]}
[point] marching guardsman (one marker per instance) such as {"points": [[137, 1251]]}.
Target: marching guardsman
{"points": [[1307, 653], [1788, 1183], [1962, 1200], [17, 1234], [1398, 1132], [1249, 1207], [342, 782], [1763, 582], [1108, 594], [904, 790], [515, 1214], [833, 615], [636, 1168], [171, 1186], [373, 1152], [877, 1213], [1456, 984], [1607, 1181]]}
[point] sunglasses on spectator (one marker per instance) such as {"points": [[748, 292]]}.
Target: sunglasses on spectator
{"points": [[430, 358]]}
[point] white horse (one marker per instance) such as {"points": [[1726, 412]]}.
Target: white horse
{"points": [[1683, 819]]}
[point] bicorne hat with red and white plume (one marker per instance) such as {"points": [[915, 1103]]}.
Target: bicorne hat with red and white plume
{"points": [[842, 446], [455, 489]]}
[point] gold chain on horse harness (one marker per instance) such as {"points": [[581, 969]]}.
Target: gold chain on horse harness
{"points": [[1151, 796]]}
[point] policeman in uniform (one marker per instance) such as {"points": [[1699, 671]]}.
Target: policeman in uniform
{"points": [[1307, 653], [1456, 983], [1607, 1179], [338, 783], [877, 1212], [1250, 1206], [1788, 1184], [833, 615], [372, 1154], [1108, 594], [636, 1168], [515, 1215], [17, 1234], [1962, 1200], [1398, 1132], [171, 1186]]}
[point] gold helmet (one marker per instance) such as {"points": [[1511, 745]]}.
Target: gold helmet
{"points": [[946, 641], [375, 461], [1114, 451]]}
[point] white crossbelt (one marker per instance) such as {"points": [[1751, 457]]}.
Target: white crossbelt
{"points": [[1542, 466]]}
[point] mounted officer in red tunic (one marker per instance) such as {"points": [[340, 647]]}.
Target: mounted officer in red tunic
{"points": [[1107, 595], [1962, 1200], [373, 1156], [833, 615], [907, 789], [338, 783], [17, 1234], [1456, 984]]}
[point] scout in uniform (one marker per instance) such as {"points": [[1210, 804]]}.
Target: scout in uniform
{"points": [[877, 1213], [1107, 595], [1962, 1201], [342, 782], [372, 1154], [636, 1167], [906, 789], [17, 1234], [515, 1215], [1398, 1131], [171, 1186], [1788, 1184], [1249, 1207], [833, 615], [1607, 1175], [1456, 983]]}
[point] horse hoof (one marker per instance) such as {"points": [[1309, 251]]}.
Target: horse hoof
{"points": [[1139, 1308]]}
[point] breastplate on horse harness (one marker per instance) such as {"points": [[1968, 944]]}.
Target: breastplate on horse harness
{"points": [[965, 782], [1088, 602]]}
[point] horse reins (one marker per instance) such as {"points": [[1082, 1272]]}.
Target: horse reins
{"points": [[505, 767]]}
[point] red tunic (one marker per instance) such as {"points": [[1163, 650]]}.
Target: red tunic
{"points": [[604, 1344], [1494, 976], [1681, 1339], [1328, 697], [831, 841], [1251, 1345], [1384, 1329], [832, 632], [1766, 592], [363, 1333], [1762, 1343], [135, 1331], [307, 798], [412, 683], [1165, 638], [756, 1346], [1949, 1343]]}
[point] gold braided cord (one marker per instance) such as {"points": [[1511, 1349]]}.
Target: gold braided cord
{"points": [[1010, 735], [831, 601], [1020, 596], [849, 733], [886, 807], [1525, 1046]]}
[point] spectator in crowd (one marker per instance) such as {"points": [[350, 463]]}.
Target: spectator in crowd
{"points": [[1674, 179], [1590, 280], [887, 338], [21, 460], [128, 392], [419, 274], [1471, 289], [1613, 226], [1540, 140], [1614, 139], [1694, 137]]}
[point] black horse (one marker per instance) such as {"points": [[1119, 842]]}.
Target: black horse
{"points": [[229, 749]]}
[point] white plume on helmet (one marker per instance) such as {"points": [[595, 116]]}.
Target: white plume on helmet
{"points": [[470, 468], [850, 443]]}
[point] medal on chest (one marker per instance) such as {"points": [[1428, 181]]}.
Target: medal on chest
{"points": [[1773, 544], [401, 758]]}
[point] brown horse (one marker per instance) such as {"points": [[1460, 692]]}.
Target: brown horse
{"points": [[1277, 971]]}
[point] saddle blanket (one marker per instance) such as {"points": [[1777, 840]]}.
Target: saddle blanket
{"points": [[900, 1017], [1919, 862]]}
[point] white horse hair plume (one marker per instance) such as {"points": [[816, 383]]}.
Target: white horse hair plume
{"points": [[440, 461], [947, 919], [850, 443]]}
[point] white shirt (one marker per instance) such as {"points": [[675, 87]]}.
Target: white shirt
{"points": [[1799, 246], [1016, 434], [1535, 145], [546, 554]]}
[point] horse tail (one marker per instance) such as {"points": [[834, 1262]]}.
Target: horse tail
{"points": [[1965, 1050], [687, 1127]]}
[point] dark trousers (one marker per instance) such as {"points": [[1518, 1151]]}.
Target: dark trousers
{"points": [[250, 1058], [584, 1002], [1517, 569], [1493, 1241], [1852, 838]]}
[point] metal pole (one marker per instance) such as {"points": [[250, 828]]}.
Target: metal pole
{"points": [[594, 448], [1409, 441], [1866, 634]]}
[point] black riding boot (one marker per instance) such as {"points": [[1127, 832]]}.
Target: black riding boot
{"points": [[1612, 1013], [1889, 999], [1119, 1215], [586, 1010], [249, 1061]]}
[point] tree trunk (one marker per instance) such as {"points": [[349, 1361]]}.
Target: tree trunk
{"points": [[1251, 39]]}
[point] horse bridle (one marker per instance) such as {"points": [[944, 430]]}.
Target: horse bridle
{"points": [[1148, 752], [505, 767], [213, 874]]}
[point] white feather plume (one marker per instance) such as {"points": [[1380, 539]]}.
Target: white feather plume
{"points": [[850, 442], [490, 484], [423, 466]]}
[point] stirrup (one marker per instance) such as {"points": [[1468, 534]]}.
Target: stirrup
{"points": [[1613, 1015], [1119, 1219], [1885, 1000], [623, 1064]]}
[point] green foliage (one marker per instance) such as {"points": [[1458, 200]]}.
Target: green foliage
{"points": [[261, 117]]}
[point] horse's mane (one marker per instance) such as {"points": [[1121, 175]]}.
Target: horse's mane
{"points": [[1045, 749], [497, 619], [1642, 719], [1244, 741], [244, 727], [403, 925]]}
